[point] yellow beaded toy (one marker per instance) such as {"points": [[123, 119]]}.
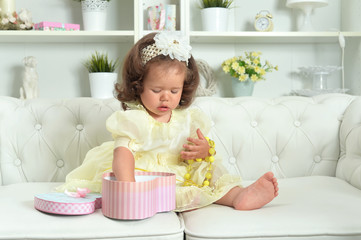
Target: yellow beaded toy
{"points": [[209, 160]]}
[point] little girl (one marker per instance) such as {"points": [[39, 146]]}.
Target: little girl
{"points": [[157, 132]]}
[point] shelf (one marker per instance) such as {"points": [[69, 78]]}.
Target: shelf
{"points": [[268, 37], [195, 37], [66, 36]]}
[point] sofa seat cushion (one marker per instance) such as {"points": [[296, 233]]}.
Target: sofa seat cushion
{"points": [[307, 208], [20, 220]]}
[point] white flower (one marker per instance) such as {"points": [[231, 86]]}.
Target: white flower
{"points": [[4, 21], [25, 16], [12, 19], [174, 45], [29, 24], [22, 26]]}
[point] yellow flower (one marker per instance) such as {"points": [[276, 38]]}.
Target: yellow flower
{"points": [[257, 69], [254, 77], [241, 70], [243, 77], [226, 69], [256, 61], [235, 65], [262, 72], [276, 68], [255, 54]]}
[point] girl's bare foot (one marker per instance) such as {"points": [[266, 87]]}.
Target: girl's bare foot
{"points": [[255, 196]]}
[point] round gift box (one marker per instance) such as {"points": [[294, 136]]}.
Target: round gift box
{"points": [[60, 203]]}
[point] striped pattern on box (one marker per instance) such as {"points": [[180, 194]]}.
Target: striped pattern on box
{"points": [[152, 192]]}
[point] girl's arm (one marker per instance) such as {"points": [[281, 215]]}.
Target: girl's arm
{"points": [[123, 164], [199, 147]]}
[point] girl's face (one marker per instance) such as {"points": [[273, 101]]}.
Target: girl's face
{"points": [[162, 90]]}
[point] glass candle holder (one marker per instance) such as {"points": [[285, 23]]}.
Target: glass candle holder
{"points": [[319, 80]]}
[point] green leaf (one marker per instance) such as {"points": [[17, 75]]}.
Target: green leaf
{"points": [[100, 63]]}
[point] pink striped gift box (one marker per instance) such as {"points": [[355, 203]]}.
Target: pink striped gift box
{"points": [[152, 192]]}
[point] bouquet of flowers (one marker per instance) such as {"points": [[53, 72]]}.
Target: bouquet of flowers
{"points": [[15, 21], [248, 67]]}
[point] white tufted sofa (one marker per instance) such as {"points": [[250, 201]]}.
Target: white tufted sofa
{"points": [[313, 145]]}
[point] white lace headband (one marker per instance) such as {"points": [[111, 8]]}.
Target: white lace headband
{"points": [[170, 44]]}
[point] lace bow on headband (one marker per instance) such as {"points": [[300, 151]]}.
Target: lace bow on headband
{"points": [[170, 44]]}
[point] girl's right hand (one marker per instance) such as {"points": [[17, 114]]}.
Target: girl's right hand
{"points": [[199, 147]]}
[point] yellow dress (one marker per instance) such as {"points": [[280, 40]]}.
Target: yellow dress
{"points": [[156, 147]]}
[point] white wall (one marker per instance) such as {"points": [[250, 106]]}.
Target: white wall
{"points": [[61, 73]]}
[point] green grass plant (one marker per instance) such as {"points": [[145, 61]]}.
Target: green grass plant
{"points": [[99, 62]]}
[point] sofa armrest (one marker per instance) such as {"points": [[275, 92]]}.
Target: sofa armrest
{"points": [[349, 164]]}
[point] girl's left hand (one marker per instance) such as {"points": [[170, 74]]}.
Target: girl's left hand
{"points": [[199, 147]]}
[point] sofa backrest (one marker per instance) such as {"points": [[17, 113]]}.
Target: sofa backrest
{"points": [[291, 136], [44, 139]]}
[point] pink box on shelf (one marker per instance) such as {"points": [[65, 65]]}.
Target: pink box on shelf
{"points": [[56, 26], [152, 192]]}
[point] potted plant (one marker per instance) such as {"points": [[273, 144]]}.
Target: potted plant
{"points": [[246, 71], [102, 75], [94, 14], [215, 14]]}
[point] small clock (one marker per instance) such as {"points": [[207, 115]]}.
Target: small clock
{"points": [[263, 21]]}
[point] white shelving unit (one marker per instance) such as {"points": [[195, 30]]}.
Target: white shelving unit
{"points": [[183, 25], [200, 40]]}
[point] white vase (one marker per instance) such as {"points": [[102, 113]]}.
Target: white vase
{"points": [[7, 6], [241, 89], [94, 14], [102, 84], [215, 19]]}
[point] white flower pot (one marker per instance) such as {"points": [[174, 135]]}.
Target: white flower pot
{"points": [[94, 14], [7, 6], [102, 84], [215, 19]]}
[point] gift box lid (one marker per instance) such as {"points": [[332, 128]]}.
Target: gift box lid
{"points": [[61, 203]]}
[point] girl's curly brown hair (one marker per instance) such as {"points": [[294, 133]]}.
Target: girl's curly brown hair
{"points": [[134, 72]]}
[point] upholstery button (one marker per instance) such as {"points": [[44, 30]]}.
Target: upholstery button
{"points": [[38, 126], [254, 124], [297, 123], [317, 159], [275, 159], [232, 160], [79, 127], [17, 162], [60, 163]]}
